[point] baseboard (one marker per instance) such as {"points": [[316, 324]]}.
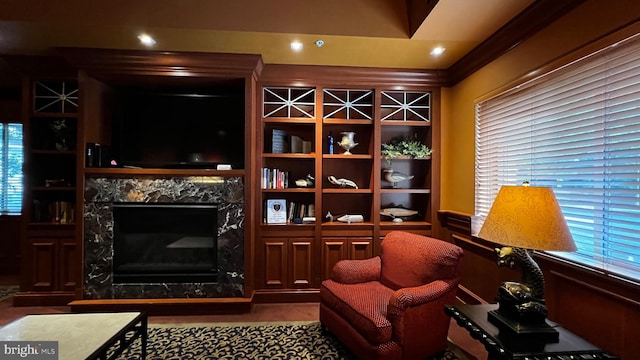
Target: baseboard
{"points": [[286, 296], [173, 306], [25, 298]]}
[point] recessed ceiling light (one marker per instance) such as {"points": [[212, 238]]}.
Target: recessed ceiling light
{"points": [[146, 40], [437, 51], [296, 46]]}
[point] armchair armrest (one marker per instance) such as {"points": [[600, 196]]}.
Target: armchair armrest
{"points": [[356, 271], [404, 298], [420, 310]]}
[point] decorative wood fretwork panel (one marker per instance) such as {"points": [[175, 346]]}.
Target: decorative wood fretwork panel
{"points": [[55, 97], [288, 102], [405, 106], [347, 104]]}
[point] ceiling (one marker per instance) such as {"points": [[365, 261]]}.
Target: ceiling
{"points": [[367, 33]]}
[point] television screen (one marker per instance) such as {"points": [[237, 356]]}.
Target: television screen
{"points": [[179, 127]]}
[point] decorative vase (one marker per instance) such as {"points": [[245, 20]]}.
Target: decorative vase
{"points": [[347, 142]]}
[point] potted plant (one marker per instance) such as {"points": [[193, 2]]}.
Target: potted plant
{"points": [[403, 146]]}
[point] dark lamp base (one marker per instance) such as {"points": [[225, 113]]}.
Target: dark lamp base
{"points": [[518, 331]]}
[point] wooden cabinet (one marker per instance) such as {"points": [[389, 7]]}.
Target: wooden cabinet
{"points": [[51, 251], [55, 256], [287, 263], [322, 181]]}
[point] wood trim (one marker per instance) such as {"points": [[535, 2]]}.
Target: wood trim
{"points": [[104, 64], [531, 20], [316, 75]]}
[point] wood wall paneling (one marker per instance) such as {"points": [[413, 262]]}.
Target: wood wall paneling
{"points": [[10, 245]]}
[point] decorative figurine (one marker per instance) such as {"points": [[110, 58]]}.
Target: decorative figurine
{"points": [[397, 213], [394, 177], [351, 218], [308, 181], [342, 182], [347, 142]]}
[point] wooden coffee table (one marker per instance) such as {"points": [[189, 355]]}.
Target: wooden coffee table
{"points": [[82, 336]]}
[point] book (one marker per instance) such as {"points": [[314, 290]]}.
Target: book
{"points": [[306, 147], [296, 144], [277, 141], [276, 211]]}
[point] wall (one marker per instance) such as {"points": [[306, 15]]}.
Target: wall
{"points": [[588, 22]]}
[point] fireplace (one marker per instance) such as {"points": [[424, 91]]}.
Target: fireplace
{"points": [[102, 199], [164, 242]]}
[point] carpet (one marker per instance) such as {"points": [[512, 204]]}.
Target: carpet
{"points": [[244, 341]]}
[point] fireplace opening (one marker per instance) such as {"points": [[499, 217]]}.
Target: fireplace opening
{"points": [[164, 243]]}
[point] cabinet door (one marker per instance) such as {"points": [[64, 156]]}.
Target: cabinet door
{"points": [[69, 265], [336, 249], [43, 259], [287, 263], [300, 262], [56, 264], [275, 263]]}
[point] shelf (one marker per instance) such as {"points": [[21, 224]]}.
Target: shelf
{"points": [[404, 224], [289, 156], [53, 188], [346, 122], [53, 152], [289, 190], [37, 115], [289, 121], [339, 224], [347, 157], [405, 123], [405, 191], [171, 172], [347, 191]]}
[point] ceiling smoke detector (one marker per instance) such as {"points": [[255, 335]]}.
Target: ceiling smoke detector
{"points": [[319, 43]]}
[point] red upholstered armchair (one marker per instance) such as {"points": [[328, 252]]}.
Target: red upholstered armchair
{"points": [[392, 306]]}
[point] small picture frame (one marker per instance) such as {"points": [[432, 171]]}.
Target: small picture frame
{"points": [[276, 211]]}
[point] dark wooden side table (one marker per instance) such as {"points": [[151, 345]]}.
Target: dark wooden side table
{"points": [[501, 347]]}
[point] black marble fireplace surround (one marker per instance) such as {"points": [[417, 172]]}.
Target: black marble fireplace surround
{"points": [[227, 193]]}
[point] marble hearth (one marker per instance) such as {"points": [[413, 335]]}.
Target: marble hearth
{"points": [[102, 192]]}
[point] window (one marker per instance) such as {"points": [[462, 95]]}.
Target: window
{"points": [[577, 130], [11, 158]]}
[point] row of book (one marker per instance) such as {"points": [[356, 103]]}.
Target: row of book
{"points": [[274, 179], [282, 143]]}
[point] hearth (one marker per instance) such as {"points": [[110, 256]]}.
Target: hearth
{"points": [[164, 242]]}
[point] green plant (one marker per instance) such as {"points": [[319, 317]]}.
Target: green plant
{"points": [[404, 146]]}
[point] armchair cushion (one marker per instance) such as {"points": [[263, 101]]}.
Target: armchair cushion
{"points": [[428, 263]]}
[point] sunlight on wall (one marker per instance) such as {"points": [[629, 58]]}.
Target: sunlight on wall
{"points": [[581, 26]]}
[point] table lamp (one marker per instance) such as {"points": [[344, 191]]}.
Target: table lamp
{"points": [[523, 219]]}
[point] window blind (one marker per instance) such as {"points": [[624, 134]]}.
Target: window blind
{"points": [[577, 130], [11, 158]]}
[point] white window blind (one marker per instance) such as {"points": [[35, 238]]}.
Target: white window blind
{"points": [[11, 158], [577, 130]]}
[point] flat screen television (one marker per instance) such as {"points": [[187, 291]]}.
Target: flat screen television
{"points": [[179, 127]]}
